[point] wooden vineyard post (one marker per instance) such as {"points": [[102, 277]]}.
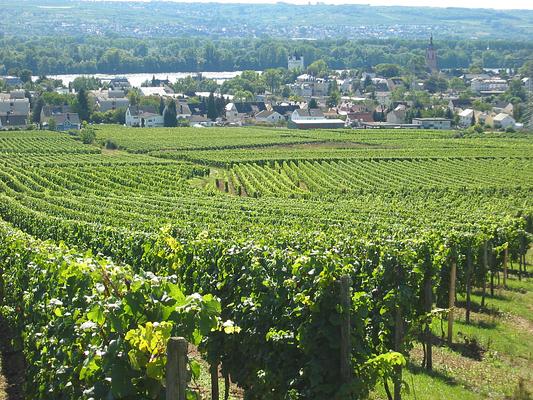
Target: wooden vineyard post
{"points": [[213, 369], [505, 258], [428, 303], [451, 301], [176, 369], [226, 386], [468, 284], [484, 272], [398, 340], [346, 340]]}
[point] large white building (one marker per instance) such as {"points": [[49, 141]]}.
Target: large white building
{"points": [[433, 123], [295, 62]]}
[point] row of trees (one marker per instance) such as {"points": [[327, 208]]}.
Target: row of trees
{"points": [[111, 55]]}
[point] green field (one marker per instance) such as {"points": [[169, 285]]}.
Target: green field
{"points": [[266, 221]]}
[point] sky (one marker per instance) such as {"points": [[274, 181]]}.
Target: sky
{"points": [[498, 4]]}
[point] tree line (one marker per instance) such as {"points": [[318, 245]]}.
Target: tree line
{"points": [[129, 55]]}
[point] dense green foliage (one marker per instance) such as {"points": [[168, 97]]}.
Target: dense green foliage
{"points": [[273, 250], [110, 55], [90, 328]]}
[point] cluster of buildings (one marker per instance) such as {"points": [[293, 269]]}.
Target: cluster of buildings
{"points": [[366, 101]]}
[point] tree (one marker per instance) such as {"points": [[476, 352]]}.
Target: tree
{"points": [[161, 106], [86, 83], [334, 99], [243, 95], [312, 104], [37, 108], [272, 78], [82, 105], [526, 70], [211, 107], [318, 68], [52, 124], [25, 75], [134, 96], [170, 114], [457, 84], [388, 70], [515, 91], [435, 84]]}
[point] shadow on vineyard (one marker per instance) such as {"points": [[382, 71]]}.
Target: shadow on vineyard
{"points": [[12, 365]]}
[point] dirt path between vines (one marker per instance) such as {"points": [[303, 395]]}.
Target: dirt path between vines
{"points": [[11, 367]]}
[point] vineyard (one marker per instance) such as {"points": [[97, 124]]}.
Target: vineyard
{"points": [[239, 239]]}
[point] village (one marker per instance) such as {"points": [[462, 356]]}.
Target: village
{"points": [[300, 96]]}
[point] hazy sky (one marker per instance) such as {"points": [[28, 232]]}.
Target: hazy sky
{"points": [[500, 4]]}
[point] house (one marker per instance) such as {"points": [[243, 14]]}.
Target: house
{"points": [[201, 120], [381, 84], [161, 91], [356, 118], [455, 104], [503, 121], [63, 117], [393, 83], [491, 85], [66, 121], [108, 100], [466, 117], [433, 123], [13, 121], [183, 111], [503, 107], [333, 113], [13, 81], [120, 82], [397, 116], [238, 112], [267, 116], [144, 117], [384, 98], [285, 109], [312, 118], [482, 117], [14, 106], [346, 85], [198, 108]]}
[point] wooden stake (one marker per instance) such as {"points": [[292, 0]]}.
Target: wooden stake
{"points": [[468, 284], [484, 273], [428, 304], [213, 369], [176, 369], [346, 338], [505, 258], [451, 301], [398, 346]]}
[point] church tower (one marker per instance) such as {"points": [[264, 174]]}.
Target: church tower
{"points": [[431, 56]]}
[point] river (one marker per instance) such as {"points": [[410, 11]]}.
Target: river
{"points": [[137, 79]]}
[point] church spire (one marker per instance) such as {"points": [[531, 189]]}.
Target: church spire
{"points": [[431, 56]]}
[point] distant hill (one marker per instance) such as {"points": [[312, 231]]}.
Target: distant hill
{"points": [[169, 19]]}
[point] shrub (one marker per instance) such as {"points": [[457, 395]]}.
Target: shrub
{"points": [[87, 135], [110, 144]]}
